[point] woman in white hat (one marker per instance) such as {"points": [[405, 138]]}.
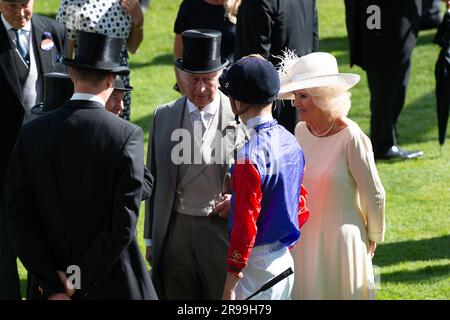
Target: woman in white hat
{"points": [[346, 198]]}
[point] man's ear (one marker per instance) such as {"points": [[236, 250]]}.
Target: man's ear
{"points": [[237, 105], [111, 80], [71, 75]]}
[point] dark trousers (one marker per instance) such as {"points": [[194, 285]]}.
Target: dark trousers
{"points": [[9, 277], [387, 97], [193, 261], [285, 114]]}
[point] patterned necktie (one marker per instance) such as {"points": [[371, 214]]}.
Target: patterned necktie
{"points": [[199, 124], [202, 120], [21, 47]]}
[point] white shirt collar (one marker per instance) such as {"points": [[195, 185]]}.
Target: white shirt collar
{"points": [[210, 108], [8, 26], [87, 96], [255, 121]]}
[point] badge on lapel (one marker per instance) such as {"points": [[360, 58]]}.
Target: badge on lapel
{"points": [[47, 43]]}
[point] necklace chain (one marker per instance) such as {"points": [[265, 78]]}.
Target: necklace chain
{"points": [[326, 132]]}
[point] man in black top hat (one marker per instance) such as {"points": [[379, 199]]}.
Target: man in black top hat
{"points": [[59, 89], [30, 45], [76, 186], [115, 101], [185, 229]]}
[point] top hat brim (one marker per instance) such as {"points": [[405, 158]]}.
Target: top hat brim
{"points": [[119, 85], [126, 88], [38, 109], [223, 64], [121, 70], [345, 80]]}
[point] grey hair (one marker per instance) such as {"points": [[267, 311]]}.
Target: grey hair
{"points": [[332, 99], [184, 73]]}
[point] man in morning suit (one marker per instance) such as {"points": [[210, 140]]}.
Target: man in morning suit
{"points": [[75, 182], [270, 27], [185, 225], [382, 35], [30, 46]]}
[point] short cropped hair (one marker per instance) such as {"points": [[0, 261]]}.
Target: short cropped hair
{"points": [[332, 99], [89, 76]]}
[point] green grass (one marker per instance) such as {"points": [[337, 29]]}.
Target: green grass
{"points": [[415, 257]]}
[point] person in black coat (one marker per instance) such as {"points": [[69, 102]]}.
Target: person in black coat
{"points": [[382, 35], [270, 27], [21, 87], [116, 106], [75, 182]]}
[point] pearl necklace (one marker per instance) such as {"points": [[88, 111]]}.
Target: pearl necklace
{"points": [[326, 132]]}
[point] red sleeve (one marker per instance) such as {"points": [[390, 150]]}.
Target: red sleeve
{"points": [[303, 212], [246, 185]]}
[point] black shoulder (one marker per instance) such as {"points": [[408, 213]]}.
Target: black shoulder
{"points": [[118, 126], [49, 23]]}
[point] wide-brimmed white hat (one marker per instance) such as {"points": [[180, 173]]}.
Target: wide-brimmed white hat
{"points": [[318, 69]]}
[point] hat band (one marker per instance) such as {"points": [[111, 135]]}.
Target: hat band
{"points": [[311, 75], [203, 65], [99, 64]]}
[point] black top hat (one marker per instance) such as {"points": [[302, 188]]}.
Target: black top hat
{"points": [[251, 80], [58, 89], [120, 85], [98, 52], [201, 51]]}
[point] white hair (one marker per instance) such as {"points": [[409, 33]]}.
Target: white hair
{"points": [[231, 9], [184, 73], [332, 99]]}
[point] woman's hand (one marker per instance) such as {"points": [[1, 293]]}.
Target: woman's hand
{"points": [[133, 8], [372, 247]]}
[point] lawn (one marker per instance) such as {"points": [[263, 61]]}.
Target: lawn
{"points": [[414, 260]]}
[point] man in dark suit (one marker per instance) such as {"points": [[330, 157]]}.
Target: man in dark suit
{"points": [[30, 46], [75, 182], [116, 106], [270, 27], [382, 36]]}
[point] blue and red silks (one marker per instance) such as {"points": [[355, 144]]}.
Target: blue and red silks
{"points": [[268, 200]]}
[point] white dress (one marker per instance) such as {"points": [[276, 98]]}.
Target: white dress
{"points": [[346, 202]]}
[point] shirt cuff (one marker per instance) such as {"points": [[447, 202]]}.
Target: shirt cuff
{"points": [[375, 236], [148, 242]]}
